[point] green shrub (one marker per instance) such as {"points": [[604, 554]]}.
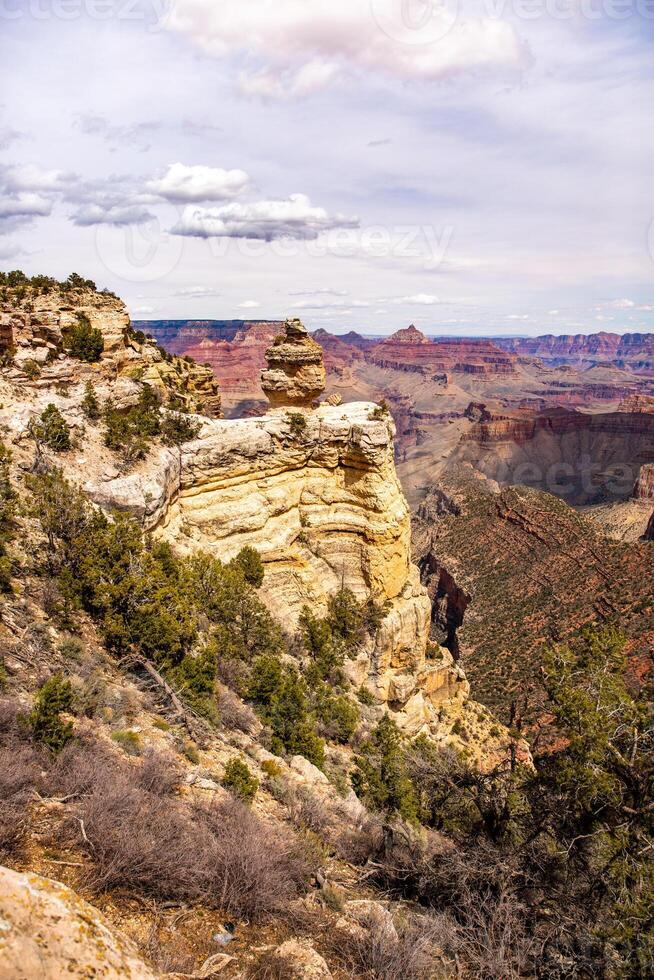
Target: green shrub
{"points": [[365, 696], [32, 369], [53, 698], [83, 341], [90, 403], [380, 778], [339, 716], [297, 423], [248, 561], [239, 780], [52, 429], [177, 429], [271, 768]]}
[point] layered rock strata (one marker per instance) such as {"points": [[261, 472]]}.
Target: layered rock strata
{"points": [[317, 495], [295, 376], [33, 339]]}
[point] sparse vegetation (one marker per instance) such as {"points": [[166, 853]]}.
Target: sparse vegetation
{"points": [[239, 780], [90, 403], [84, 341], [51, 429], [297, 423]]}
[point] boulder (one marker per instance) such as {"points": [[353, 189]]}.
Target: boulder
{"points": [[48, 932]]}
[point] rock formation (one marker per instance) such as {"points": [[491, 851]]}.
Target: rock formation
{"points": [[33, 335], [317, 494], [48, 932], [649, 532], [633, 352], [644, 488], [410, 350], [295, 376]]}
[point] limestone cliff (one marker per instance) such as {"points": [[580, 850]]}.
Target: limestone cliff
{"points": [[35, 326], [318, 496], [313, 489]]}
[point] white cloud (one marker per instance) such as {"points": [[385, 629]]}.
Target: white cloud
{"points": [[143, 309], [327, 304], [118, 215], [28, 177], [301, 46], [182, 184], [25, 205], [195, 292], [419, 299], [249, 304], [294, 217], [621, 304]]}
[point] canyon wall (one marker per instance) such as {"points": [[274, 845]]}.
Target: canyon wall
{"points": [[633, 352], [315, 491]]}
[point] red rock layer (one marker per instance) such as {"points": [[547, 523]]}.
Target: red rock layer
{"points": [[633, 352], [521, 427], [410, 350]]}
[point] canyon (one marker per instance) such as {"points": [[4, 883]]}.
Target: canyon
{"points": [[633, 352]]}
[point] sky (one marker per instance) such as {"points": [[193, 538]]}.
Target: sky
{"points": [[475, 168]]}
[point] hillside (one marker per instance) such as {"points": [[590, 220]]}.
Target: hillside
{"points": [[513, 569]]}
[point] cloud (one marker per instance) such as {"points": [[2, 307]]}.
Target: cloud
{"points": [[25, 206], [325, 304], [135, 134], [195, 292], [143, 309], [376, 143], [295, 47], [30, 177], [181, 184], [294, 217], [118, 215], [249, 304], [326, 291], [419, 299], [621, 304], [9, 136]]}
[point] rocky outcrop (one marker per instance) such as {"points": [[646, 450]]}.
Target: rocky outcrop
{"points": [[317, 494], [584, 457], [35, 326], [48, 932], [649, 531], [644, 488], [295, 376]]}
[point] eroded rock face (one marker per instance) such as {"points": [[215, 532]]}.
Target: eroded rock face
{"points": [[644, 489], [48, 932], [324, 508], [295, 376], [33, 329]]}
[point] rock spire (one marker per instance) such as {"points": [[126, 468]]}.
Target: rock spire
{"points": [[295, 376]]}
